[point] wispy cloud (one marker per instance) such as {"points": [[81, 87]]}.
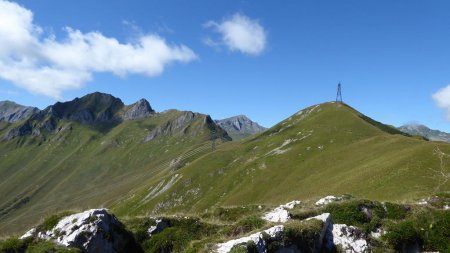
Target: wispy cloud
{"points": [[239, 33], [44, 65], [442, 99]]}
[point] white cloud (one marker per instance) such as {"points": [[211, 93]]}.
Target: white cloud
{"points": [[442, 99], [240, 33], [44, 65]]}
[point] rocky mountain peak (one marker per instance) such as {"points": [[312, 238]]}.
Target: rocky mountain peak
{"points": [[240, 126], [12, 112], [424, 131], [138, 110], [93, 108]]}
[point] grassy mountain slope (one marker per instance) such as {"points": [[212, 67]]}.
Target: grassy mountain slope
{"points": [[79, 166], [325, 149]]}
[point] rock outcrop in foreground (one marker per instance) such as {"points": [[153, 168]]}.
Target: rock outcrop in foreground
{"points": [[94, 230], [330, 237]]}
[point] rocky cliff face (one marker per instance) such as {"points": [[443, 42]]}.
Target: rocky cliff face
{"points": [[138, 110], [188, 123], [239, 127], [93, 109], [424, 131], [12, 112]]}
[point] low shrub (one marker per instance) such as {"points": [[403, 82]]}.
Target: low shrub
{"points": [[395, 211], [12, 245], [364, 214], [169, 240], [301, 214], [50, 247], [239, 249], [304, 234], [178, 236], [429, 228], [402, 234], [231, 214], [51, 221], [246, 225]]}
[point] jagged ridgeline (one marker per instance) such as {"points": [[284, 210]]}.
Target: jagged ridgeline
{"points": [[91, 151]]}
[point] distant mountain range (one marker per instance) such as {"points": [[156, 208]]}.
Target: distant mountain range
{"points": [[424, 131], [98, 108], [239, 127]]}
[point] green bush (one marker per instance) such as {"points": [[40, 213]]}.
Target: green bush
{"points": [[239, 249], [178, 237], [51, 221], [434, 229], [395, 211], [429, 228], [12, 245], [301, 214], [50, 247], [304, 234], [246, 225], [139, 227], [251, 247], [352, 213], [169, 240], [402, 234], [231, 213]]}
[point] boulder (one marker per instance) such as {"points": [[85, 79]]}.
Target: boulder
{"points": [[350, 239], [281, 213], [158, 227], [91, 231], [327, 200], [274, 233]]}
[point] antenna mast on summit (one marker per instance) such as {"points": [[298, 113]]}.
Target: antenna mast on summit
{"points": [[339, 94]]}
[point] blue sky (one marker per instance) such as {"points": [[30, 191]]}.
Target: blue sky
{"points": [[390, 56]]}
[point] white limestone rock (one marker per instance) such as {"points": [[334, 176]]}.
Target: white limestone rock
{"points": [[281, 213], [327, 200], [158, 227], [326, 229], [29, 233], [349, 238], [273, 232], [94, 230]]}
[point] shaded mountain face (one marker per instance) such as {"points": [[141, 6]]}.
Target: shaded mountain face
{"points": [[140, 109], [424, 131], [96, 109], [12, 112], [93, 108], [239, 127]]}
